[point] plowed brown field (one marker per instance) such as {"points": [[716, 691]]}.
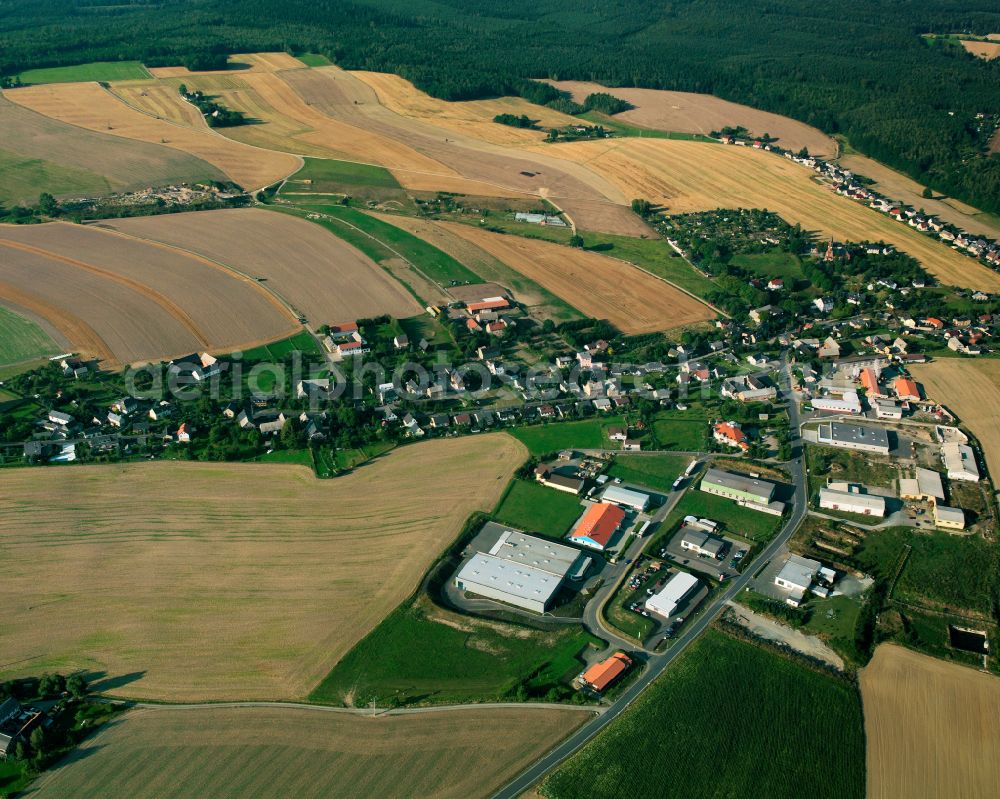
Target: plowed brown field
{"points": [[931, 727], [971, 389], [232, 753], [601, 287], [227, 580], [690, 176], [688, 112], [89, 106], [322, 276], [221, 311]]}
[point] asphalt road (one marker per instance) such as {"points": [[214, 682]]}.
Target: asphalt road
{"points": [[657, 664]]}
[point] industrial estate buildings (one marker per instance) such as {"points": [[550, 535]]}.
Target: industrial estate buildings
{"points": [[678, 588], [751, 492], [854, 436]]}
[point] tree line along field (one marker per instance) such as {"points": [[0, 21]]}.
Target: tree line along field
{"points": [[42, 154], [318, 274], [969, 388], [930, 725], [126, 300], [187, 581], [748, 711], [230, 753]]}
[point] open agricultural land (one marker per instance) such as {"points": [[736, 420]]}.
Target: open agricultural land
{"points": [[318, 274], [931, 727], [600, 287], [236, 63], [90, 106], [763, 740], [230, 753], [971, 389], [146, 301], [984, 50], [192, 581], [96, 71], [41, 154], [688, 176], [21, 339], [688, 112]]}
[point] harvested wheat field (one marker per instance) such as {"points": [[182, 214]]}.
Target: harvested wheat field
{"points": [[691, 176], [160, 99], [931, 726], [111, 164], [89, 106], [473, 118], [226, 581], [984, 50], [321, 276], [222, 311], [904, 189], [239, 63], [471, 165], [689, 112], [298, 753], [600, 287], [970, 389]]}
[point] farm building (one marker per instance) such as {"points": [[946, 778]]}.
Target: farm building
{"points": [[516, 584], [887, 409], [869, 381], [677, 589], [540, 553], [558, 480], [751, 492], [849, 402], [488, 304], [852, 502], [636, 500], [960, 462], [701, 543], [15, 724], [854, 436], [949, 518], [906, 389], [600, 676], [797, 576], [598, 526], [925, 486]]}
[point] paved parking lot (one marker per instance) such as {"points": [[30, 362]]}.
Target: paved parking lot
{"points": [[724, 568]]}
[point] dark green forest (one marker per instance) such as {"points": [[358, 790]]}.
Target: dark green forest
{"points": [[860, 68]]}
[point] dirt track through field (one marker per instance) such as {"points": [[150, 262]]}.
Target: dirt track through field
{"points": [[689, 112], [226, 581], [322, 276], [232, 753], [691, 176], [971, 389], [601, 287], [931, 727], [89, 106]]}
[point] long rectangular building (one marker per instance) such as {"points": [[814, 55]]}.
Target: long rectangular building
{"points": [[540, 553], [738, 487], [677, 589], [854, 436], [514, 583], [960, 461], [627, 497], [852, 502]]}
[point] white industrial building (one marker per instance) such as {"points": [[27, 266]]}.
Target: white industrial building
{"points": [[960, 461], [926, 485], [849, 402], [949, 518], [797, 576], [627, 497], [522, 570], [852, 502], [677, 589], [854, 436]]}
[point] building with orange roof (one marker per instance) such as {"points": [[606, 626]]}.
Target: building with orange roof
{"points": [[598, 525], [489, 304], [730, 433], [906, 389], [599, 676], [869, 380]]}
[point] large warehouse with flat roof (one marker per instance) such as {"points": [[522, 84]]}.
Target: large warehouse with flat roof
{"points": [[751, 492], [677, 589], [854, 436], [627, 497]]}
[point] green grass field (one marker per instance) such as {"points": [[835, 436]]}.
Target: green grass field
{"points": [[22, 340], [747, 712], [653, 255], [413, 658], [624, 129], [680, 432], [25, 178], [96, 70], [585, 434], [314, 60], [654, 471], [533, 507], [748, 523], [347, 173], [381, 241], [627, 621], [785, 265]]}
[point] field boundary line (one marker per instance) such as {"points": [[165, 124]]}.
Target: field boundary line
{"points": [[143, 290]]}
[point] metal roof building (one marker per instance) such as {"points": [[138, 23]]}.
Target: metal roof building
{"points": [[540, 553], [960, 461], [854, 436], [507, 581], [737, 486], [627, 497], [672, 594], [852, 502]]}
